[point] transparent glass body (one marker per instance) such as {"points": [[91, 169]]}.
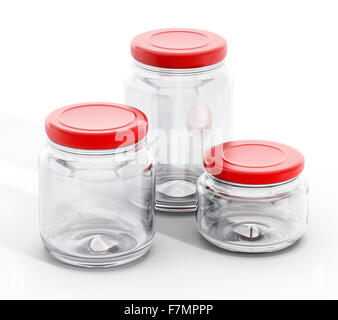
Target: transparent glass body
{"points": [[189, 110], [252, 218], [96, 205]]}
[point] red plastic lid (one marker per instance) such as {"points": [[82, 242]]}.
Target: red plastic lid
{"points": [[253, 162], [178, 48], [96, 126]]}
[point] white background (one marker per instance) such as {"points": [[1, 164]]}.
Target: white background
{"points": [[284, 56]]}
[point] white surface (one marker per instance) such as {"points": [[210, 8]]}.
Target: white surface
{"points": [[284, 57]]}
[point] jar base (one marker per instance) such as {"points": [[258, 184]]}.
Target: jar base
{"points": [[246, 248], [250, 233], [97, 261], [176, 188]]}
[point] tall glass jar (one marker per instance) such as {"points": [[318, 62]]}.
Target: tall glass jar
{"points": [[179, 79], [96, 185], [252, 196]]}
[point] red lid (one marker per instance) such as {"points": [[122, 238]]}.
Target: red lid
{"points": [[178, 48], [253, 162], [96, 126]]}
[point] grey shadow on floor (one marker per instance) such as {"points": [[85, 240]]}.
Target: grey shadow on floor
{"points": [[19, 229]]}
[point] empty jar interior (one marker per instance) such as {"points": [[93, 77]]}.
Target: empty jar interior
{"points": [[252, 196], [252, 218], [96, 205], [188, 102]]}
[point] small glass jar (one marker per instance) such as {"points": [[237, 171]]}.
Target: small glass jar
{"points": [[179, 79], [252, 196], [96, 185]]}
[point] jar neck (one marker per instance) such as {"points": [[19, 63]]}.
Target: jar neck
{"points": [[251, 185], [98, 152], [189, 71]]}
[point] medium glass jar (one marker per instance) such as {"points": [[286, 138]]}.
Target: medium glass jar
{"points": [[252, 196], [179, 79], [96, 185]]}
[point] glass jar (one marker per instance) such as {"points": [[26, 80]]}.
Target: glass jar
{"points": [[252, 196], [179, 79], [96, 185]]}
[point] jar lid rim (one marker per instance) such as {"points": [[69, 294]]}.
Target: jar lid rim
{"points": [[178, 48], [96, 126]]}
